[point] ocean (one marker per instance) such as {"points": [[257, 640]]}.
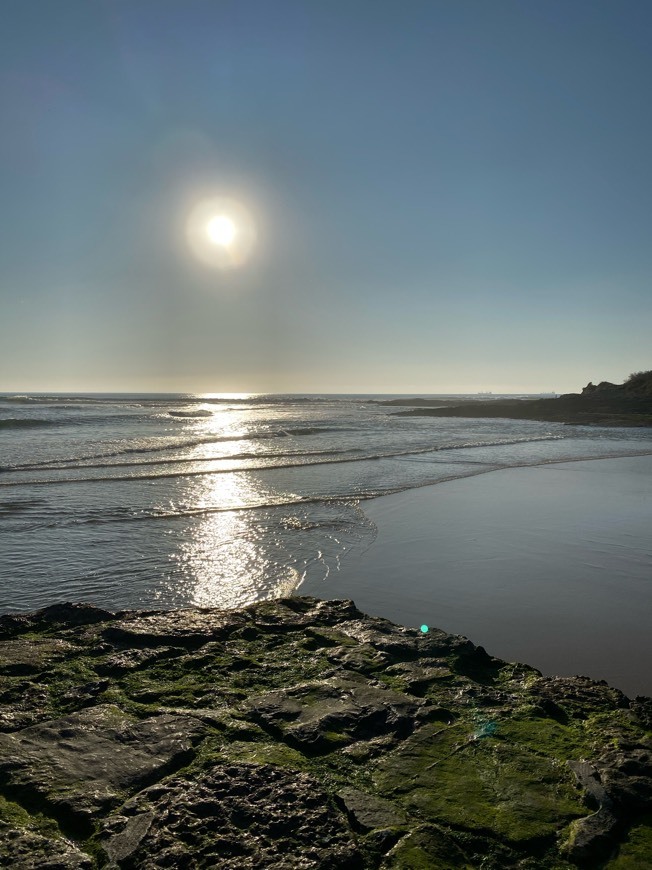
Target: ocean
{"points": [[158, 501]]}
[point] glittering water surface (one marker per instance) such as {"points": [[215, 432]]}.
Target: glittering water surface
{"points": [[156, 501]]}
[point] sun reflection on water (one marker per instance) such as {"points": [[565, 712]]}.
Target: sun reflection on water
{"points": [[233, 431], [227, 557], [241, 532]]}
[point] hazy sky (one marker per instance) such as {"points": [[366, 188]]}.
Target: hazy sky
{"points": [[450, 195]]}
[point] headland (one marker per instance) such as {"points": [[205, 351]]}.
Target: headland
{"points": [[604, 404]]}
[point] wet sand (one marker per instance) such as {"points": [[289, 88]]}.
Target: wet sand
{"points": [[549, 565]]}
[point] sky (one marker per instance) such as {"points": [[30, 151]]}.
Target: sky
{"points": [[446, 195]]}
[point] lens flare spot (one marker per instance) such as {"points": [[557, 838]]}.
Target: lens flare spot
{"points": [[425, 629]]}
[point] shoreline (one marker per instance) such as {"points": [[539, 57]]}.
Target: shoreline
{"points": [[607, 404], [548, 564]]}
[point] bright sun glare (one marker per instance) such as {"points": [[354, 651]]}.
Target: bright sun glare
{"points": [[221, 230]]}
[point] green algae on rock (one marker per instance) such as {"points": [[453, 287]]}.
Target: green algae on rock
{"points": [[303, 734]]}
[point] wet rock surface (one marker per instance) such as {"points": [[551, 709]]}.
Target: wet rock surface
{"points": [[235, 815], [303, 734], [80, 765]]}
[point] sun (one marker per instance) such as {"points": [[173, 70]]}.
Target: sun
{"points": [[221, 230]]}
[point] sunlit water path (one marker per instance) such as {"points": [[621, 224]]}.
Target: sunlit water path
{"points": [[159, 501]]}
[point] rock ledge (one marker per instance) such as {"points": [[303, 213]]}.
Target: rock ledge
{"points": [[303, 734]]}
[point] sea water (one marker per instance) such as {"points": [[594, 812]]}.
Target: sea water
{"points": [[154, 501]]}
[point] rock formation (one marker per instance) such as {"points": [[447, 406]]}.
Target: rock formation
{"points": [[303, 734]]}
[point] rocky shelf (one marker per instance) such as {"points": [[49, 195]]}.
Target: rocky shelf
{"points": [[303, 734]]}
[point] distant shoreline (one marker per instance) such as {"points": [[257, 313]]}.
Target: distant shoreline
{"points": [[628, 404], [573, 409]]}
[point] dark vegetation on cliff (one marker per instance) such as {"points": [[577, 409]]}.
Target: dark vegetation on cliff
{"points": [[604, 404], [303, 734]]}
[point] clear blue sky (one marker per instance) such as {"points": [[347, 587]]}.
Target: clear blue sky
{"points": [[450, 195]]}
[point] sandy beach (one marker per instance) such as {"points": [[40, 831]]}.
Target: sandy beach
{"points": [[549, 565]]}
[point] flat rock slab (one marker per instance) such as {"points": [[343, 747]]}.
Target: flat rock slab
{"points": [[320, 717], [369, 812], [85, 763], [25, 657], [234, 816], [177, 628]]}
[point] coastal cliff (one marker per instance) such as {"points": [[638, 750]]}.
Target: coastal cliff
{"points": [[302, 733], [604, 404]]}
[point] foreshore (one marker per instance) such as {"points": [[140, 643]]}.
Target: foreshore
{"points": [[550, 564]]}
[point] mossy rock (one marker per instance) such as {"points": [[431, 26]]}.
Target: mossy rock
{"points": [[635, 851], [163, 730], [451, 776]]}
